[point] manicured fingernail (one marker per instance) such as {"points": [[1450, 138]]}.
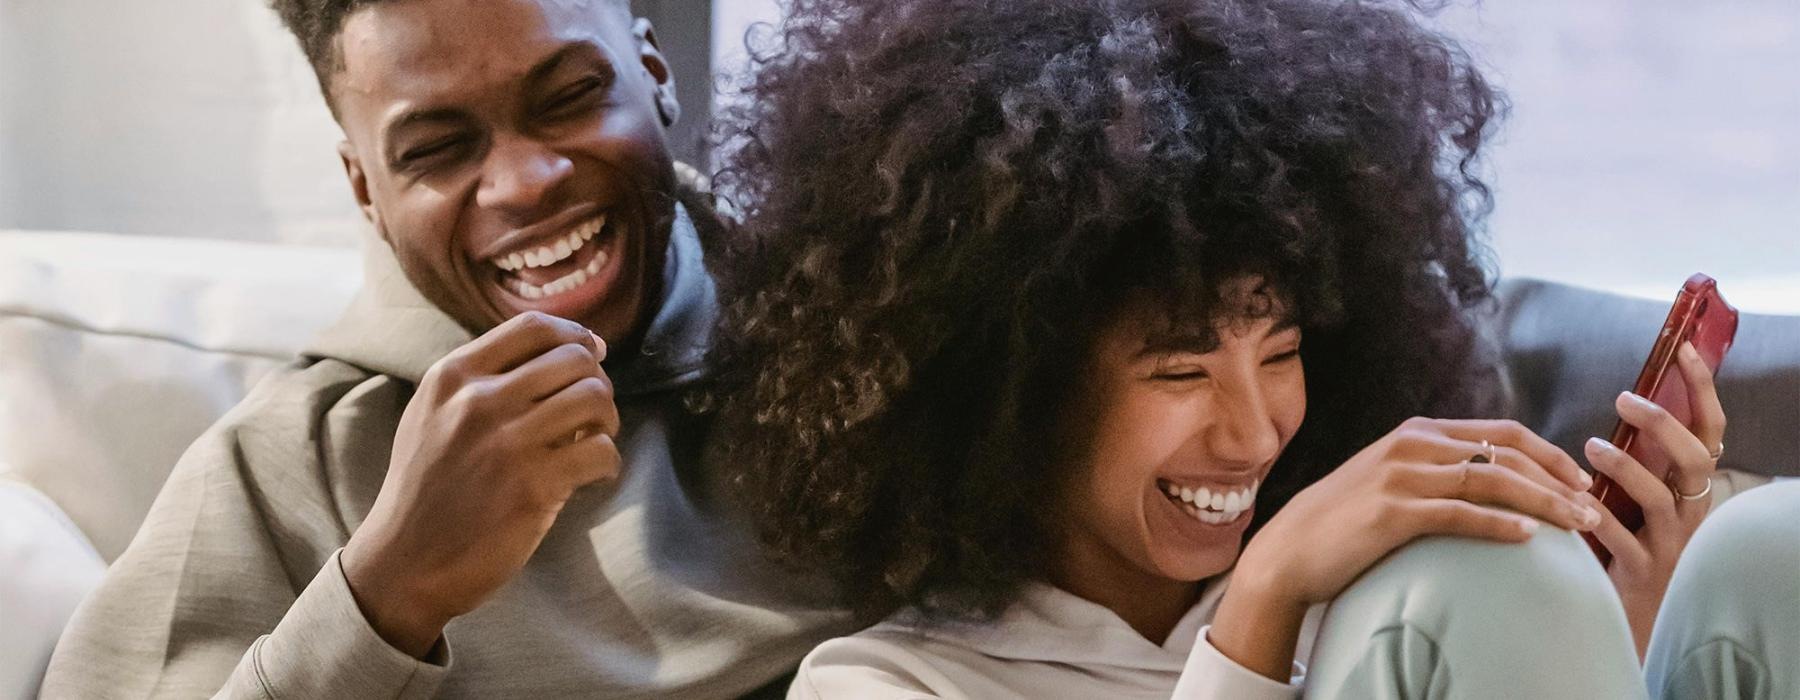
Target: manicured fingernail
{"points": [[1602, 446], [1528, 526], [1589, 516], [1636, 400], [1587, 482]]}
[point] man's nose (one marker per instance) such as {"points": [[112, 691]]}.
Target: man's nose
{"points": [[520, 174]]}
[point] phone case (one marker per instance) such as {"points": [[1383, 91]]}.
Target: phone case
{"points": [[1700, 316]]}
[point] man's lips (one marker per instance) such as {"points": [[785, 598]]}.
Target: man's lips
{"points": [[562, 265], [545, 232]]}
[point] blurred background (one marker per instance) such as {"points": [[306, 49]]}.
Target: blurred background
{"points": [[1649, 138]]}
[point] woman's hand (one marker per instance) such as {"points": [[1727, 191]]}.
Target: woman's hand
{"points": [[1416, 481], [1643, 561]]}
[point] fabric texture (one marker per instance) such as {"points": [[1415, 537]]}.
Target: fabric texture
{"points": [[1458, 618], [1049, 644], [1440, 618], [117, 351], [1730, 624], [46, 566], [645, 587]]}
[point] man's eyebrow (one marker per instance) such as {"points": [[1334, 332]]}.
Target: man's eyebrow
{"points": [[546, 67], [539, 72], [439, 115]]}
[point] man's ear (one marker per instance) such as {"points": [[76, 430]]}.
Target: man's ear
{"points": [[359, 186], [651, 56]]}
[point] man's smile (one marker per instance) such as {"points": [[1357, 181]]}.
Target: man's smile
{"points": [[566, 270]]}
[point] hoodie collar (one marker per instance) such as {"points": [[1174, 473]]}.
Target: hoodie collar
{"points": [[391, 329], [1048, 624]]}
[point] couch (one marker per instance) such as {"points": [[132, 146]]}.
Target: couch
{"points": [[117, 351]]}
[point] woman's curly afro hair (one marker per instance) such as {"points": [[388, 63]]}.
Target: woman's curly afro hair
{"points": [[943, 200]]}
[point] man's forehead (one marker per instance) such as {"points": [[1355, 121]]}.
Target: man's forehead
{"points": [[416, 48]]}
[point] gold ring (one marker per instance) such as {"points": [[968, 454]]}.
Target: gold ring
{"points": [[1486, 456], [1695, 497]]}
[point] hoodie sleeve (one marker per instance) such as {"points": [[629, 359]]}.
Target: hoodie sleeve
{"points": [[1210, 675], [214, 597]]}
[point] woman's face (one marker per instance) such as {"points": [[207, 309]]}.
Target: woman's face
{"points": [[1179, 441]]}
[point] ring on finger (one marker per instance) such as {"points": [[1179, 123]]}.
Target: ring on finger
{"points": [[1695, 497], [1485, 456]]}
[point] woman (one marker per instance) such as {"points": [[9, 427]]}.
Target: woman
{"points": [[1047, 315]]}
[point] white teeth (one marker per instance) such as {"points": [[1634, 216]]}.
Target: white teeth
{"points": [[555, 252], [567, 282], [1215, 507]]}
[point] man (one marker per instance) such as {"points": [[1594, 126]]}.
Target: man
{"points": [[456, 491]]}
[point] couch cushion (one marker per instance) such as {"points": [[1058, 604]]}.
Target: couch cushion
{"points": [[46, 567], [117, 351], [1570, 350]]}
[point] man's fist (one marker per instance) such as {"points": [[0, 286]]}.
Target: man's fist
{"points": [[498, 436]]}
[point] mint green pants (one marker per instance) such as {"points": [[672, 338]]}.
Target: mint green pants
{"points": [[1458, 618], [1730, 625]]}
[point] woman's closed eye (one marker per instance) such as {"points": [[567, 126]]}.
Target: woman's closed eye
{"points": [[1192, 372]]}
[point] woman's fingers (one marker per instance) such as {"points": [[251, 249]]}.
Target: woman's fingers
{"points": [[1508, 433], [1708, 418], [1651, 494], [1623, 544], [1497, 485], [1450, 516], [1690, 461], [1703, 398]]}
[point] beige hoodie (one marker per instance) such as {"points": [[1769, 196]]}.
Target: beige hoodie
{"points": [[647, 587]]}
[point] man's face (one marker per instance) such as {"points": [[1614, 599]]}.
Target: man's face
{"points": [[511, 152]]}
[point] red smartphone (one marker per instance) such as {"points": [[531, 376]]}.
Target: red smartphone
{"points": [[1699, 316]]}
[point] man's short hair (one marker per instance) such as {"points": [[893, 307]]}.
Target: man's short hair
{"points": [[317, 24]]}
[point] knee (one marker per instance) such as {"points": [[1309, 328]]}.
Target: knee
{"points": [[1443, 582], [1755, 536]]}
